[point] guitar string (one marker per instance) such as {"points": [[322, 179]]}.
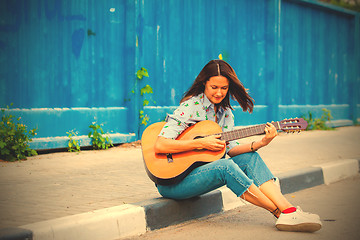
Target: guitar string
{"points": [[244, 132]]}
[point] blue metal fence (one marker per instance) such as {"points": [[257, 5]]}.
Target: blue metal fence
{"points": [[66, 64]]}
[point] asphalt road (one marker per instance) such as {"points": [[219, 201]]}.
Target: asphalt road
{"points": [[337, 204]]}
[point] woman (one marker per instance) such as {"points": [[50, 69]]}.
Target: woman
{"points": [[244, 172]]}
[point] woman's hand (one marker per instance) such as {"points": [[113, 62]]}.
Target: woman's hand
{"points": [[270, 134], [213, 143]]}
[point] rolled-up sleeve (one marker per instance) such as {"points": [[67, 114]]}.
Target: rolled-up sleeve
{"points": [[173, 127], [231, 145], [177, 122]]}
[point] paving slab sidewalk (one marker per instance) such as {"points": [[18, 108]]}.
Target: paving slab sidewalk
{"points": [[61, 184]]}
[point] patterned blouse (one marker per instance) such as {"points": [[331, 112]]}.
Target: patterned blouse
{"points": [[196, 109]]}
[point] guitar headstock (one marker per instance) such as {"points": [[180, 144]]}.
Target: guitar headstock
{"points": [[293, 125]]}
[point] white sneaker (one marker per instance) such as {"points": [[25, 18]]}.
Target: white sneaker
{"points": [[298, 221]]}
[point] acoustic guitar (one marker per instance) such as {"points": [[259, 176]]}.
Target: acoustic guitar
{"points": [[167, 169]]}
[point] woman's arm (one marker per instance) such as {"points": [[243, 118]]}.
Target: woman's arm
{"points": [[167, 145], [270, 134], [240, 149]]}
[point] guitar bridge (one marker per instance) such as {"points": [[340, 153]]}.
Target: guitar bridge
{"points": [[169, 158]]}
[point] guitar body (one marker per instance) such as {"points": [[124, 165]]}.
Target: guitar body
{"points": [[164, 169]]}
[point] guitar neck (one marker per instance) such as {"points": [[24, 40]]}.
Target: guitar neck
{"points": [[246, 132]]}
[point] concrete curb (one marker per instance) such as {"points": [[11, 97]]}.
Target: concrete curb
{"points": [[135, 219]]}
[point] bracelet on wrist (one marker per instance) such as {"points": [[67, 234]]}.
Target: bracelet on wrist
{"points": [[252, 146]]}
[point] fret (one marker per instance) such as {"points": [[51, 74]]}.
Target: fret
{"points": [[225, 135], [245, 132]]}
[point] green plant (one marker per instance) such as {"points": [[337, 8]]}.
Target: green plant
{"points": [[142, 72], [144, 118], [73, 145], [14, 138], [319, 123], [147, 89], [99, 141]]}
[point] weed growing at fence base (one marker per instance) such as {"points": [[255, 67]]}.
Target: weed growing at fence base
{"points": [[98, 140], [73, 145], [14, 138], [319, 123]]}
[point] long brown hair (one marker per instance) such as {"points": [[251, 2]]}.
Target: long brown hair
{"points": [[236, 89]]}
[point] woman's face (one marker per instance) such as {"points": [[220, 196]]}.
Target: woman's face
{"points": [[216, 89]]}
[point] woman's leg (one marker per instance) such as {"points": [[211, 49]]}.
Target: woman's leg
{"points": [[255, 168], [271, 191], [214, 175], [206, 178], [258, 198], [243, 174]]}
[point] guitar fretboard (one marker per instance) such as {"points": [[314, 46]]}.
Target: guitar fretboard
{"points": [[246, 132]]}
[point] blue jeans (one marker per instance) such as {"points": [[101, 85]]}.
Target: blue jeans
{"points": [[237, 173]]}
